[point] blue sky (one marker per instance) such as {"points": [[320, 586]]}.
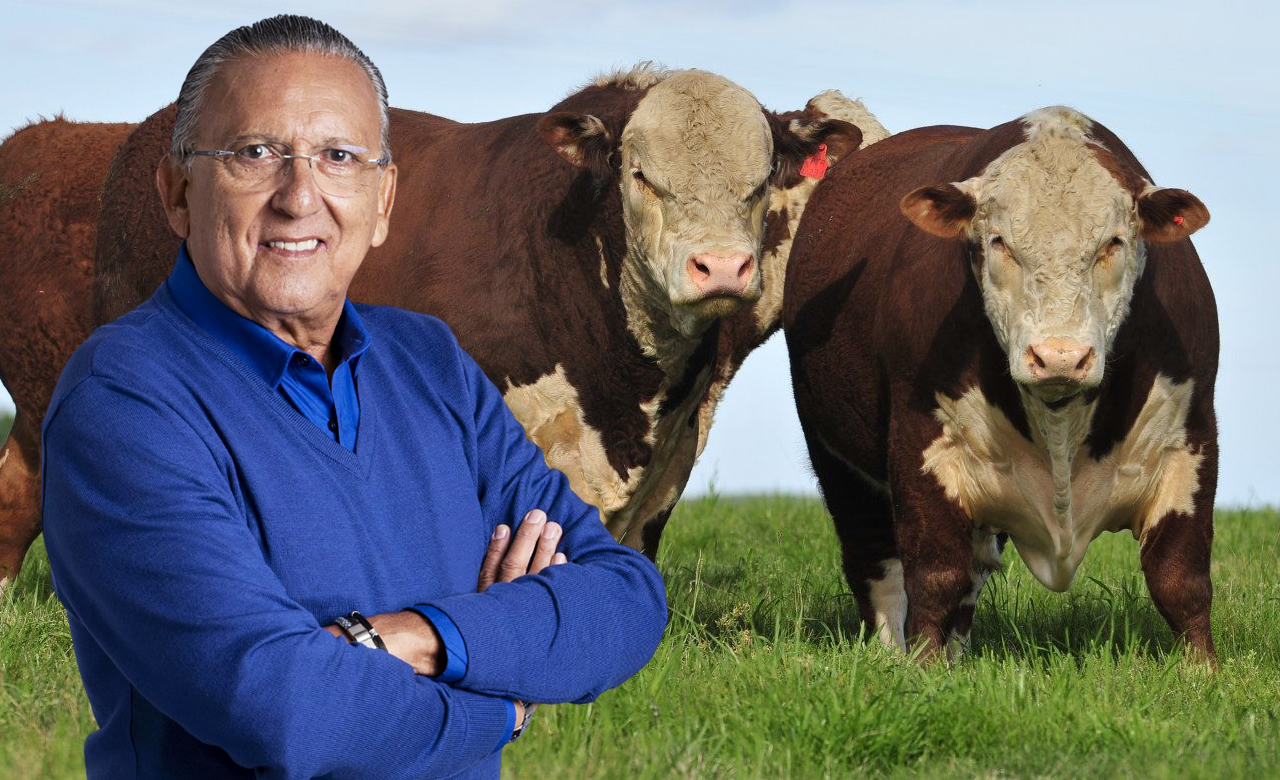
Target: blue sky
{"points": [[1191, 87]]}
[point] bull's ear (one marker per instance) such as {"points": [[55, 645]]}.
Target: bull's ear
{"points": [[944, 210], [1170, 215], [796, 140], [581, 139]]}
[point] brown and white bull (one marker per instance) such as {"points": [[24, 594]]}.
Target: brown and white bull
{"points": [[586, 257], [1005, 332]]}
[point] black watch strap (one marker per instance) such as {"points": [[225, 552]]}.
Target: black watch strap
{"points": [[360, 630]]}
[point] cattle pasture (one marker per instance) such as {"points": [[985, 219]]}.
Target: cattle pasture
{"points": [[762, 674]]}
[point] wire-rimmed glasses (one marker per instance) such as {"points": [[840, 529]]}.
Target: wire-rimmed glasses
{"points": [[340, 169]]}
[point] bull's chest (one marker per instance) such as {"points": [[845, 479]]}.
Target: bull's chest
{"points": [[1049, 493], [551, 411]]}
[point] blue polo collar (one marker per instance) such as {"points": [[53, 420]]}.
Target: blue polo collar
{"points": [[265, 352]]}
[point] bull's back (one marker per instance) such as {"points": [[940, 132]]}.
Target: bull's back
{"points": [[136, 247], [51, 176], [489, 234], [867, 291]]}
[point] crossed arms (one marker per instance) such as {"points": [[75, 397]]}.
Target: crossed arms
{"points": [[168, 593]]}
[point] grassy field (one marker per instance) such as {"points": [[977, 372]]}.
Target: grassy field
{"points": [[763, 672]]}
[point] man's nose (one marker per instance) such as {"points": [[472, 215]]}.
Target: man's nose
{"points": [[297, 193]]}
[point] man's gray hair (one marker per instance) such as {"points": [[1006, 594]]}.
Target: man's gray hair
{"points": [[277, 35]]}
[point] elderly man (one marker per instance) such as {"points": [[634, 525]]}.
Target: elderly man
{"points": [[247, 465]]}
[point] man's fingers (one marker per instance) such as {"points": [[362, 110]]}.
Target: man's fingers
{"points": [[498, 544], [558, 559], [516, 562], [546, 548]]}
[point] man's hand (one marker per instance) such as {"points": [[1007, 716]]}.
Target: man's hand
{"points": [[532, 550], [409, 637], [413, 639]]}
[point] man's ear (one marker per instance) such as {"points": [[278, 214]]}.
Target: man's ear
{"points": [[171, 181], [942, 210], [386, 199], [581, 139], [1170, 215], [796, 140]]}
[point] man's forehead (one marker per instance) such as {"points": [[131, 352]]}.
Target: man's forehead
{"points": [[276, 95]]}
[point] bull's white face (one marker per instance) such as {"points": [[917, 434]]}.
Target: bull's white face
{"points": [[696, 158], [1061, 250], [1060, 230]]}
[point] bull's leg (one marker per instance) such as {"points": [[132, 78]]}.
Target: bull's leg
{"points": [[935, 538], [863, 521], [986, 559], [1175, 556], [19, 495], [1175, 561]]}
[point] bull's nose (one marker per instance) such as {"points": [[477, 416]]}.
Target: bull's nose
{"points": [[1059, 360], [721, 274]]}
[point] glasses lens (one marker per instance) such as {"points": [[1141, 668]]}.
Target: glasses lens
{"points": [[336, 170], [342, 171]]}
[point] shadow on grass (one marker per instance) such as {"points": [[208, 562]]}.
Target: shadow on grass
{"points": [[1019, 620], [1016, 618]]}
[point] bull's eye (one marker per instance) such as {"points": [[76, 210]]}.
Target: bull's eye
{"points": [[643, 182], [999, 248], [1114, 247]]}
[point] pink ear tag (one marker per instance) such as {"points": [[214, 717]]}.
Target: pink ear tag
{"points": [[1178, 220], [815, 165]]}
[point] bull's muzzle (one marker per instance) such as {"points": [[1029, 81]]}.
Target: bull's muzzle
{"points": [[721, 274], [1059, 363]]}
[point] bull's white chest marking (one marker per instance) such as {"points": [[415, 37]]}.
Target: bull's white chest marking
{"points": [[1050, 494], [551, 412], [552, 416]]}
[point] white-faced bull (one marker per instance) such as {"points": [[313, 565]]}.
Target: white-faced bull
{"points": [[1005, 332]]}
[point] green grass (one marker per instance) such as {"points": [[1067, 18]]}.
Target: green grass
{"points": [[763, 672]]}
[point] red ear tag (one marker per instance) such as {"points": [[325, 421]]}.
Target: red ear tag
{"points": [[815, 165], [1178, 220]]}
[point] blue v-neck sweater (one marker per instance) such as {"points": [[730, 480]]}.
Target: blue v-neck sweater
{"points": [[201, 531]]}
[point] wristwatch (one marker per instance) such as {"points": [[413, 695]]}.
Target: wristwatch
{"points": [[360, 630], [529, 708]]}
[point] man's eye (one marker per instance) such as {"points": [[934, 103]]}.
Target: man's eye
{"points": [[255, 151], [339, 156]]}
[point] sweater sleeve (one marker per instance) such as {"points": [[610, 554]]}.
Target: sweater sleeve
{"points": [[153, 557], [574, 630]]}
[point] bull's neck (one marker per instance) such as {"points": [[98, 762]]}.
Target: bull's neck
{"points": [[1059, 431], [786, 206], [661, 333]]}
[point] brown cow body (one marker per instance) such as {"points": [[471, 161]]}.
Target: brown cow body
{"points": [[926, 447], [528, 260], [50, 181]]}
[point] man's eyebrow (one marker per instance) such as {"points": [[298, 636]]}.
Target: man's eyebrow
{"points": [[327, 142]]}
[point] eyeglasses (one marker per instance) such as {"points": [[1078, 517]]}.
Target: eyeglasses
{"points": [[339, 169]]}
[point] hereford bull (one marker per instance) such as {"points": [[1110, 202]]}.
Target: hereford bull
{"points": [[1005, 332], [586, 257]]}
